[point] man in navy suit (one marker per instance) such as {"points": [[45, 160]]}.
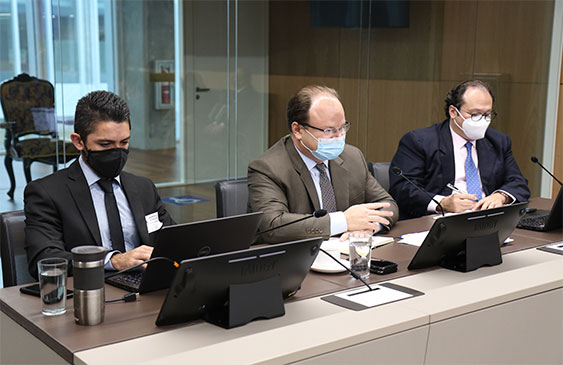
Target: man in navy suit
{"points": [[68, 208], [460, 162]]}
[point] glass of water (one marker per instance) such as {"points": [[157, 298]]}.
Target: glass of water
{"points": [[360, 252], [52, 283]]}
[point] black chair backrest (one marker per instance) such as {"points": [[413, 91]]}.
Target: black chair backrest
{"points": [[231, 197], [380, 170], [12, 252]]}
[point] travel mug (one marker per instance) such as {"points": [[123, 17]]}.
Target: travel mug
{"points": [[89, 292]]}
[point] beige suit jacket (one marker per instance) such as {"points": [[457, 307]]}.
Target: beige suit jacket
{"points": [[280, 185]]}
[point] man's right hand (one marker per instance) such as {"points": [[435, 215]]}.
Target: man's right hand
{"points": [[134, 257], [458, 202], [363, 217]]}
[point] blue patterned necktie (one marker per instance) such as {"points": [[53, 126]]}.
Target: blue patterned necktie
{"points": [[327, 192], [471, 174]]}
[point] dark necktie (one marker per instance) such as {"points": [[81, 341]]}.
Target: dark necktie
{"points": [[115, 230], [471, 174], [327, 192]]}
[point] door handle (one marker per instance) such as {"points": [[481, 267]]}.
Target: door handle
{"points": [[201, 89]]}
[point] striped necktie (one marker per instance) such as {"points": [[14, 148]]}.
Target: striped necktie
{"points": [[327, 192]]}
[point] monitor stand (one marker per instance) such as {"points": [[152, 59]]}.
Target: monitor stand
{"points": [[477, 251], [250, 301]]}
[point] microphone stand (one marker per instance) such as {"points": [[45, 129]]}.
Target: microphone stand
{"points": [[399, 172]]}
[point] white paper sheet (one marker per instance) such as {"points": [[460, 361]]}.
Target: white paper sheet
{"points": [[380, 295]]}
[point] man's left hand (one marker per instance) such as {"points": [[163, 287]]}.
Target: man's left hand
{"points": [[494, 200]]}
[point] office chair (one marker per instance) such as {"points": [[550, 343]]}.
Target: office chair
{"points": [[380, 170], [231, 197], [14, 258], [28, 104]]}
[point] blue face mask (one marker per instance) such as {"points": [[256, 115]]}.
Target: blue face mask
{"points": [[327, 148]]}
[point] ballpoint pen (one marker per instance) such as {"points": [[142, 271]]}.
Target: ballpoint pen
{"points": [[454, 189]]}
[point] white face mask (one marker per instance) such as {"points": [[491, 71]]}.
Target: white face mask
{"points": [[472, 129]]}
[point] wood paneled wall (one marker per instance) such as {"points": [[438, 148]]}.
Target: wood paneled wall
{"points": [[392, 80], [558, 159]]}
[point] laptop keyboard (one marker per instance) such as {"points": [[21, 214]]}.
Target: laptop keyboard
{"points": [[534, 221], [130, 281]]}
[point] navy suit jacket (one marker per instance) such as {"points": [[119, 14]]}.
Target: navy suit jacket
{"points": [[426, 156], [60, 213]]}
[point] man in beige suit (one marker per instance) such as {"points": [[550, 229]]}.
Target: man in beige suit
{"points": [[312, 168]]}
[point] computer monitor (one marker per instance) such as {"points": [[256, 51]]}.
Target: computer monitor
{"points": [[467, 241], [234, 288]]}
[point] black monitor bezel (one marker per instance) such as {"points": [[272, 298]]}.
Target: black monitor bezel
{"points": [[447, 236], [190, 297]]}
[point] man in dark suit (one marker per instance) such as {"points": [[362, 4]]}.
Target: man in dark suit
{"points": [[313, 168], [462, 152], [68, 208]]}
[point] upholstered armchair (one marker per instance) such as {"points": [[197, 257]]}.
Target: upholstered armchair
{"points": [[28, 104]]}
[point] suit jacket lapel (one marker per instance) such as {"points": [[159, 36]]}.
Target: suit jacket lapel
{"points": [[80, 192], [136, 206], [303, 172], [447, 160], [338, 176], [486, 164]]}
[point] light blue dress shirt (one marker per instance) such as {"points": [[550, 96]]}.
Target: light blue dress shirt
{"points": [[338, 222], [130, 234]]}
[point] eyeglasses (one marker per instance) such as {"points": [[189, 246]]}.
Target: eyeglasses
{"points": [[478, 116], [329, 132]]}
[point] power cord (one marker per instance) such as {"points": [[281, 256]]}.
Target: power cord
{"points": [[174, 263], [129, 297]]}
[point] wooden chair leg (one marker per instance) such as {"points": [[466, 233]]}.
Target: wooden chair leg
{"points": [[27, 169], [10, 169]]}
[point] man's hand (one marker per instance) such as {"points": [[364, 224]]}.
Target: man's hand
{"points": [[134, 257], [363, 217], [494, 200], [458, 202]]}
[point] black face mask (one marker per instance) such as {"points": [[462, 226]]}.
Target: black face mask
{"points": [[107, 163]]}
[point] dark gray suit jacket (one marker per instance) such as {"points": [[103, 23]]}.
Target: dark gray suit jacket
{"points": [[280, 185], [60, 213]]}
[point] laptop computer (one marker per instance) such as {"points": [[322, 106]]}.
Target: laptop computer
{"points": [[189, 240], [544, 220]]}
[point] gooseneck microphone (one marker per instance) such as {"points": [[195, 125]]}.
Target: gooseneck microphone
{"points": [[399, 172], [535, 160], [355, 275], [316, 214]]}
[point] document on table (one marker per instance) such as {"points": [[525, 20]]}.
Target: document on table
{"points": [[416, 239]]}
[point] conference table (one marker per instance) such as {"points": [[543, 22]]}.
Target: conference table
{"points": [[508, 313]]}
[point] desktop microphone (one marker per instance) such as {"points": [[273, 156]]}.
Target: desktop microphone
{"points": [[399, 172], [535, 160], [355, 275], [316, 214]]}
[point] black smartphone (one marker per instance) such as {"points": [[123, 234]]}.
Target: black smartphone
{"points": [[33, 289], [382, 267]]}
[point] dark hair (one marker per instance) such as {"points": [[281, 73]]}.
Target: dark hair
{"points": [[455, 95], [300, 103], [99, 106]]}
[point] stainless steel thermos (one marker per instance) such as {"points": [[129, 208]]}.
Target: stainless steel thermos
{"points": [[89, 293]]}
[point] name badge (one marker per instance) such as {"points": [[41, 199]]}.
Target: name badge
{"points": [[153, 223]]}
